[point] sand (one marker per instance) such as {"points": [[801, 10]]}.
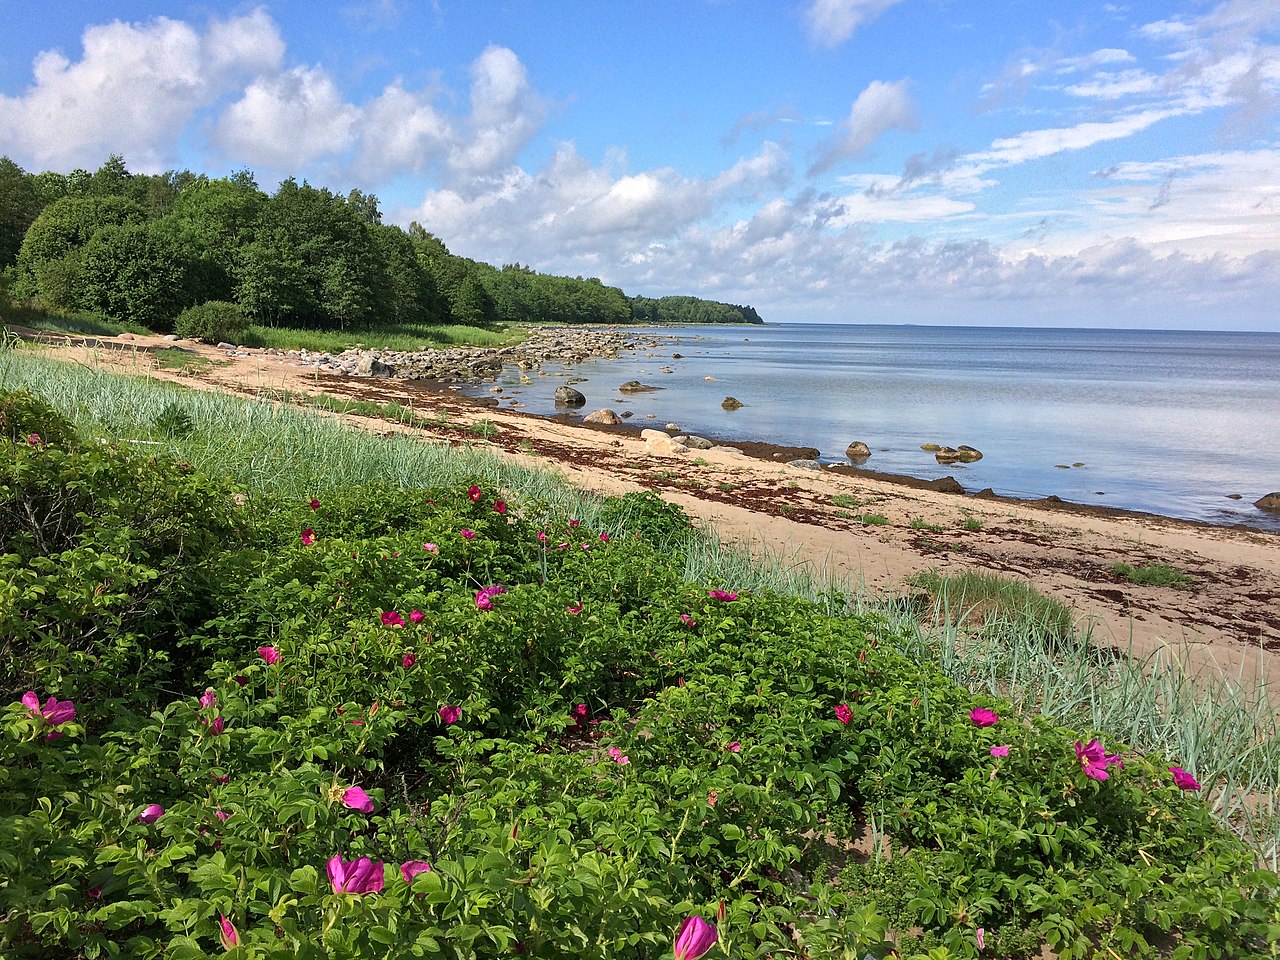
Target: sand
{"points": [[1228, 621]]}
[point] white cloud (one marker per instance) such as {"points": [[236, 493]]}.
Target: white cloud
{"points": [[832, 22], [288, 120], [1113, 86], [505, 114], [134, 90], [1099, 58], [879, 108]]}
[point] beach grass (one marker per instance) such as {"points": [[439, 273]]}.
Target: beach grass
{"points": [[406, 337], [1155, 575], [1021, 647]]}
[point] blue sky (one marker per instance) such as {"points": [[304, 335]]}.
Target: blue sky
{"points": [[927, 161]]}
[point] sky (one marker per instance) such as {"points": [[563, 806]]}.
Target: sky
{"points": [[876, 161]]}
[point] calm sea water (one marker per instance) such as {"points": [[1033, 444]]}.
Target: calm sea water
{"points": [[1170, 422]]}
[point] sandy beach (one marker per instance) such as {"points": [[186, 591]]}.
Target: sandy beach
{"points": [[1229, 620]]}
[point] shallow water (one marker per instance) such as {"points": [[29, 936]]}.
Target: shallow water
{"points": [[1169, 422]]}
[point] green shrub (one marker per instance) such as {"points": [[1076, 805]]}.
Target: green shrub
{"points": [[645, 514], [24, 416], [213, 322]]}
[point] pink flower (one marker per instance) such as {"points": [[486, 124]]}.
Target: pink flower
{"points": [[357, 799], [308, 537], [687, 620], [485, 595], [217, 726], [999, 751], [980, 938], [408, 660], [55, 712], [269, 654], [1183, 779], [416, 616], [412, 868], [604, 538], [982, 717], [33, 439], [575, 609], [220, 778], [844, 714], [734, 747], [430, 548], [694, 938], [357, 876], [468, 534], [151, 813], [450, 713], [500, 507], [241, 679], [227, 933], [619, 757], [580, 712], [315, 504], [392, 619], [473, 493], [574, 523], [208, 699], [221, 814], [542, 536], [1094, 761], [724, 596]]}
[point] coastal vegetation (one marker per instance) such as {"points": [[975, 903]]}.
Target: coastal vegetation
{"points": [[218, 258], [281, 688]]}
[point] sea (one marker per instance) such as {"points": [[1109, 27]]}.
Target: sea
{"points": [[1176, 423]]}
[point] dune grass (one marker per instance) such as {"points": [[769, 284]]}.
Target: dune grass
{"points": [[1022, 648], [407, 338]]}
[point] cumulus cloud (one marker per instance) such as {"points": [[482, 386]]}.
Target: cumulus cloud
{"points": [[288, 120], [505, 114], [879, 108], [134, 90], [832, 22]]}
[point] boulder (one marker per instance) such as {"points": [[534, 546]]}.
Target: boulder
{"points": [[731, 403], [635, 386], [857, 451], [960, 454], [805, 464], [569, 397], [1271, 502], [672, 428], [695, 442], [946, 485], [627, 414], [370, 366], [662, 445], [930, 447], [603, 415]]}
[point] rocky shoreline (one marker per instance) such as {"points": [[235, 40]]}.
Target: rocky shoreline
{"points": [[565, 345]]}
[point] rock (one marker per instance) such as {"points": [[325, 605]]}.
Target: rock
{"points": [[677, 356], [370, 366], [986, 493], [946, 485], [647, 434], [1235, 496], [708, 378], [635, 386], [857, 451], [172, 337], [721, 448], [731, 403], [961, 454], [663, 445], [627, 414], [223, 345], [672, 428], [1271, 502], [569, 397], [805, 464], [125, 335], [603, 415], [930, 447], [495, 389], [695, 443]]}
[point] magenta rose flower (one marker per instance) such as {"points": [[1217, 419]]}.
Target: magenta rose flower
{"points": [[1184, 780], [724, 596], [227, 933], [308, 537], [151, 813], [450, 713], [356, 799], [844, 714], [357, 876], [694, 938], [412, 868], [982, 717], [269, 654]]}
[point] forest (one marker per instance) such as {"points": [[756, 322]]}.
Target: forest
{"points": [[147, 247]]}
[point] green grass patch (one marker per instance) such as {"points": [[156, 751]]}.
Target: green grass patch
{"points": [[81, 323], [972, 524], [919, 523], [846, 500], [406, 338], [1155, 575], [872, 519], [175, 358], [989, 601]]}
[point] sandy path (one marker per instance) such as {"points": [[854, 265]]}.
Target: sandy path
{"points": [[1230, 618]]}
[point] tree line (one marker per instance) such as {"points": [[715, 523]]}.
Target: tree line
{"points": [[146, 247]]}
